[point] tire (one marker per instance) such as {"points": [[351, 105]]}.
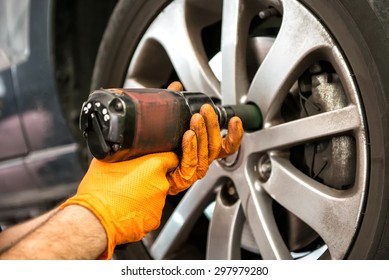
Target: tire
{"points": [[316, 176]]}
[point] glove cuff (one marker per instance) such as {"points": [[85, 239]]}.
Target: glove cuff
{"points": [[94, 208]]}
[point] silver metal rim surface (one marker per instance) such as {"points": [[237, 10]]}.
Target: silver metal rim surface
{"points": [[174, 40]]}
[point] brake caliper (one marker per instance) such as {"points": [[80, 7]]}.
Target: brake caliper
{"points": [[330, 161]]}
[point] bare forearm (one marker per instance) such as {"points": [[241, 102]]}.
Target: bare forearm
{"points": [[13, 234], [72, 233]]}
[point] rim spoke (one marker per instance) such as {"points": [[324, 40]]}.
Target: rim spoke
{"points": [[225, 231], [183, 47], [234, 37], [304, 130], [259, 214], [331, 213], [258, 210], [180, 223], [288, 58]]}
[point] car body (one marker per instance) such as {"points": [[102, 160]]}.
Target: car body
{"points": [[40, 161]]}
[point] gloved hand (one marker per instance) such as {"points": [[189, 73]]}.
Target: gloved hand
{"points": [[128, 197], [201, 145]]}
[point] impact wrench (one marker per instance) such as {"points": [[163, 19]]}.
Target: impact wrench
{"points": [[120, 124]]}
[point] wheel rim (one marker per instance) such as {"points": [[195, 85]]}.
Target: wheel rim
{"points": [[264, 173]]}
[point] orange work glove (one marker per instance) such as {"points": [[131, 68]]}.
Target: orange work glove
{"points": [[128, 197], [201, 145]]}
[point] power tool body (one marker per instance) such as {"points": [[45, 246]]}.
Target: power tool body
{"points": [[120, 124]]}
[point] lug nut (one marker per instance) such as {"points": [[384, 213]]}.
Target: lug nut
{"points": [[264, 168], [231, 190], [229, 194], [265, 14]]}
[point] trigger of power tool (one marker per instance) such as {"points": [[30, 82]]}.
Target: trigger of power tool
{"points": [[120, 124]]}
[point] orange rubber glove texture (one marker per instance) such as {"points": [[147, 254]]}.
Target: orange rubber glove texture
{"points": [[201, 145], [127, 197]]}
